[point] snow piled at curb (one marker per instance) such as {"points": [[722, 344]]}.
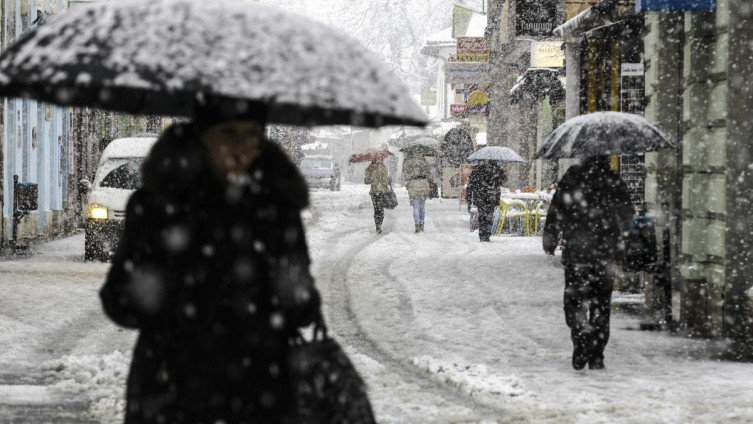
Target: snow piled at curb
{"points": [[99, 379], [473, 379]]}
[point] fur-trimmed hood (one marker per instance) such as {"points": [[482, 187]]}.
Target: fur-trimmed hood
{"points": [[178, 163]]}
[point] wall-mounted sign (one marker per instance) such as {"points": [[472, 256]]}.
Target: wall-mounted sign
{"points": [[675, 5], [547, 54], [467, 73], [473, 49], [535, 18], [458, 109], [632, 70], [478, 103], [428, 98]]}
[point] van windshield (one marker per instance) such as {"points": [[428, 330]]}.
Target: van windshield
{"points": [[125, 176], [316, 163]]}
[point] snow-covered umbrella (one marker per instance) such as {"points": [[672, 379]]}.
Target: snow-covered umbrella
{"points": [[370, 155], [163, 56], [604, 133], [497, 154], [419, 145]]}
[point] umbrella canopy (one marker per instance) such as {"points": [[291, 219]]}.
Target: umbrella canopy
{"points": [[604, 133], [420, 145], [370, 155], [162, 57], [497, 154]]}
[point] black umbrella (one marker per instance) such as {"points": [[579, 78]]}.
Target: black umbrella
{"points": [[163, 56], [604, 133]]}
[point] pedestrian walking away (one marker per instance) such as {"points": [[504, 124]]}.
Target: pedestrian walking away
{"points": [[417, 172], [213, 270], [483, 190], [590, 209], [377, 176]]}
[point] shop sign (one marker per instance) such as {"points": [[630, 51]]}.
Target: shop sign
{"points": [[632, 70], [478, 103], [428, 98], [675, 5], [535, 18], [473, 49], [547, 54], [458, 109], [467, 73]]}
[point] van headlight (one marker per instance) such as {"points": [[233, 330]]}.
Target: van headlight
{"points": [[97, 212]]}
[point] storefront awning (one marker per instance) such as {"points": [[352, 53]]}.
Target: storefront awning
{"points": [[597, 15], [537, 83], [467, 73]]}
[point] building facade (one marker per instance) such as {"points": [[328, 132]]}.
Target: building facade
{"points": [[36, 145], [698, 88]]}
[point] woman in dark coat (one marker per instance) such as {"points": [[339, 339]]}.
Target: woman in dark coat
{"points": [[483, 190], [213, 270]]}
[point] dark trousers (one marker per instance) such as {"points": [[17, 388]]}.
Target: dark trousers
{"points": [[376, 199], [485, 221], [588, 302]]}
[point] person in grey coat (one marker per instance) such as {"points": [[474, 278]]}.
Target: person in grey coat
{"points": [[417, 172], [590, 209]]}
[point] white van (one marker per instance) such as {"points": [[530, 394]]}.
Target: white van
{"points": [[118, 176]]}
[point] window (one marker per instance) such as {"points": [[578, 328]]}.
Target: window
{"points": [[316, 163], [125, 177]]}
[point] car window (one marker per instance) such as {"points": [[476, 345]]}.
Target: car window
{"points": [[316, 163], [126, 176]]}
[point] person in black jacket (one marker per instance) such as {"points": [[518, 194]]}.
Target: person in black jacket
{"points": [[483, 190], [590, 209], [213, 270]]}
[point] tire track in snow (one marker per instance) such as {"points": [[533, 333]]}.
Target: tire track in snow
{"points": [[352, 331]]}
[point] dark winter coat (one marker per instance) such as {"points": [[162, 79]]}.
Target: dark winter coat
{"points": [[216, 279], [483, 188], [591, 208]]}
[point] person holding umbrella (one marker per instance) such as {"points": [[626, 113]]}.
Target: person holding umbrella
{"points": [[485, 182], [213, 267], [591, 209], [417, 173], [483, 190], [378, 178]]}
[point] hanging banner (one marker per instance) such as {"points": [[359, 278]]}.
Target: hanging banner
{"points": [[675, 5], [473, 49], [428, 98], [461, 19], [535, 18]]}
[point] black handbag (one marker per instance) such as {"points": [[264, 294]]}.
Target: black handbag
{"points": [[326, 387], [389, 199]]}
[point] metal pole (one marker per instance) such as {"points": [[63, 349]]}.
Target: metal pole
{"points": [[16, 213]]}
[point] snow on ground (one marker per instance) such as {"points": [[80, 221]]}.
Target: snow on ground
{"points": [[443, 328]]}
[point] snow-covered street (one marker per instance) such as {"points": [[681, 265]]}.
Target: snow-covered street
{"points": [[443, 328]]}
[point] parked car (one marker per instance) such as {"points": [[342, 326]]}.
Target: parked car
{"points": [[117, 177], [321, 172]]}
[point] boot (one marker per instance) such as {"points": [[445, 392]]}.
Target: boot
{"points": [[379, 229], [421, 227], [596, 363], [418, 228]]}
